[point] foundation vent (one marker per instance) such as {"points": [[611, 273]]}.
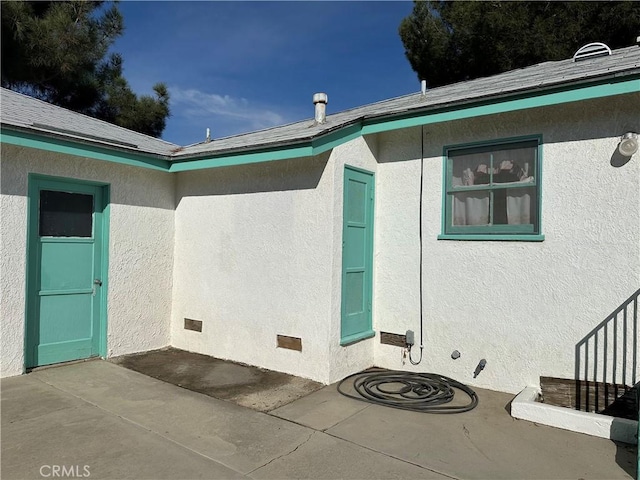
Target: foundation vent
{"points": [[195, 325], [394, 339], [290, 343]]}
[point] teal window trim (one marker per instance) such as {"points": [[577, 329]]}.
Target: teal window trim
{"points": [[489, 229], [494, 237], [492, 231]]}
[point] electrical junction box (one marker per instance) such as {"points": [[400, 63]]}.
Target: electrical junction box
{"points": [[409, 336]]}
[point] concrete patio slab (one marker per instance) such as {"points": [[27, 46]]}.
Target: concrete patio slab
{"points": [[91, 442], [324, 456], [234, 436], [320, 411], [486, 443], [122, 424], [27, 398]]}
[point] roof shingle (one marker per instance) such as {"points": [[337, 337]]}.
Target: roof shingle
{"points": [[29, 113], [24, 112], [537, 77]]}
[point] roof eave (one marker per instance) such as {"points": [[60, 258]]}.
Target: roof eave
{"points": [[505, 96], [28, 136], [416, 111], [298, 142], [81, 139], [329, 136]]}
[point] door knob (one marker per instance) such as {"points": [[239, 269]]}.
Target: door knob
{"points": [[98, 282]]}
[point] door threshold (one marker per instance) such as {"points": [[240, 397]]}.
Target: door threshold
{"points": [[62, 364]]}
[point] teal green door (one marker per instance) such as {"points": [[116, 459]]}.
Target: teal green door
{"points": [[65, 251], [357, 255]]}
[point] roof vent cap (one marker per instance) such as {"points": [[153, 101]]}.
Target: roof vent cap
{"points": [[595, 49], [320, 100]]}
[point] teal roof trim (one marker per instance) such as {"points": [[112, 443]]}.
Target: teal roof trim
{"points": [[369, 126], [81, 149], [308, 147], [510, 104], [338, 137], [242, 158]]}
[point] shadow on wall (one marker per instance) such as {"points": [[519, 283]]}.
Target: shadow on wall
{"points": [[372, 143], [618, 160], [404, 145], [283, 175]]}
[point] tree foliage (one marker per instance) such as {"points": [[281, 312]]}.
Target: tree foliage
{"points": [[450, 41], [59, 52]]}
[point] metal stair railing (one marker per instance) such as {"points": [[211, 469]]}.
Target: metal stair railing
{"points": [[607, 358]]}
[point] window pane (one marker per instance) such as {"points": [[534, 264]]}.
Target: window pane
{"points": [[514, 165], [470, 169], [64, 214], [507, 164], [471, 208], [515, 206]]}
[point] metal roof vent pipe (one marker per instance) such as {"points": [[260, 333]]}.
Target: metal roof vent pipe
{"points": [[320, 100]]}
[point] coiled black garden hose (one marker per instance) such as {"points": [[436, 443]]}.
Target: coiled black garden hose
{"points": [[418, 392]]}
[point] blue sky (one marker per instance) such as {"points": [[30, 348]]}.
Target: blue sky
{"points": [[242, 66]]}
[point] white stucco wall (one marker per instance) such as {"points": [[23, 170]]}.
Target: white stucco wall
{"points": [[140, 249], [258, 253], [255, 251], [523, 306], [345, 360], [253, 260]]}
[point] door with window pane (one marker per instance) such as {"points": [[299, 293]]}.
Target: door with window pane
{"points": [[65, 257]]}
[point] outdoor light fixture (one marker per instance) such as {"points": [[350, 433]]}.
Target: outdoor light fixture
{"points": [[628, 144]]}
